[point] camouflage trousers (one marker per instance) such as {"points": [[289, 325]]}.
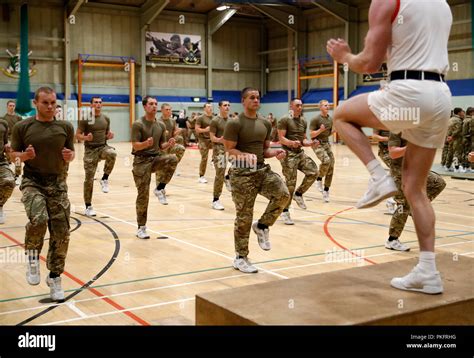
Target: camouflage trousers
{"points": [[204, 146], [455, 153], [220, 164], [7, 182], [92, 156], [164, 167], [290, 166], [467, 145], [178, 150], [246, 184], [434, 186], [385, 156], [326, 168], [17, 165], [47, 206], [444, 154], [183, 137]]}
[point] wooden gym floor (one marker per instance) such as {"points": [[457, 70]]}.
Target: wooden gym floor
{"points": [[113, 278]]}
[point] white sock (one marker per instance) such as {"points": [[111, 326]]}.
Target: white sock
{"points": [[375, 169], [427, 261]]}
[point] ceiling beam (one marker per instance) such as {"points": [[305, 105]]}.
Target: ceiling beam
{"points": [[283, 18], [337, 9], [73, 6], [219, 18], [150, 10]]}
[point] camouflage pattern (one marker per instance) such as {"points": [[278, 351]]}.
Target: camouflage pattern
{"points": [[246, 184], [290, 166], [47, 206], [434, 186], [467, 133], [455, 148], [92, 156], [385, 156], [204, 146], [220, 164], [444, 155], [326, 169], [178, 151], [7, 182], [143, 166]]}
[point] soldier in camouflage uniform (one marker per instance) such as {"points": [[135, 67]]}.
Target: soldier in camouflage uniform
{"points": [[95, 131], [455, 139], [381, 136], [12, 118], [321, 129], [219, 159], [434, 186], [273, 121], [247, 141], [148, 143], [45, 145], [191, 124], [7, 180], [292, 135], [202, 130], [467, 132]]}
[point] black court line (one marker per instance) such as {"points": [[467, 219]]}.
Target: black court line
{"points": [[90, 282], [78, 225]]}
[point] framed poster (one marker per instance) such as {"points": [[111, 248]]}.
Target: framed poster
{"points": [[173, 48]]}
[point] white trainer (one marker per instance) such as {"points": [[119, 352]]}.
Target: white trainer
{"points": [[299, 200], [55, 289], [227, 184], [141, 233], [105, 185], [90, 211], [326, 196], [319, 185], [391, 206], [396, 245], [287, 218], [419, 281], [243, 264], [202, 180], [377, 191], [33, 271], [18, 180], [160, 194], [262, 237], [216, 205], [2, 215]]}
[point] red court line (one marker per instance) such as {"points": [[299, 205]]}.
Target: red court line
{"points": [[328, 234], [93, 290]]}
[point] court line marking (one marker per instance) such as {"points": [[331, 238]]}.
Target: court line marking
{"points": [[72, 306]]}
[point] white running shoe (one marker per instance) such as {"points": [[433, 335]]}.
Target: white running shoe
{"points": [[90, 211], [216, 205], [227, 184], [326, 196], [391, 206], [262, 236], [299, 200], [202, 180], [55, 289], [33, 271], [287, 218], [396, 245], [160, 194], [377, 191], [105, 185], [18, 180], [419, 281], [2, 215], [244, 265], [141, 233], [319, 185]]}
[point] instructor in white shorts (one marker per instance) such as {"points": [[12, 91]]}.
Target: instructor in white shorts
{"points": [[413, 36]]}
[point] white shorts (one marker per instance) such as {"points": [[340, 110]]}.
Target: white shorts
{"points": [[420, 110]]}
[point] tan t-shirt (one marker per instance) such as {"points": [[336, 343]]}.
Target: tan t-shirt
{"points": [[316, 123], [170, 125], [204, 121], [99, 127], [295, 130], [217, 127], [249, 133], [142, 129], [48, 139], [11, 119], [4, 134]]}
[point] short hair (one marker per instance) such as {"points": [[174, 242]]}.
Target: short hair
{"points": [[296, 99], [469, 111], [59, 106], [165, 105], [457, 110], [44, 89], [222, 102], [323, 101], [145, 100], [207, 103], [11, 101], [95, 97], [244, 92]]}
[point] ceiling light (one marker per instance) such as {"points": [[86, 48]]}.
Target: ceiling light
{"points": [[223, 7]]}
